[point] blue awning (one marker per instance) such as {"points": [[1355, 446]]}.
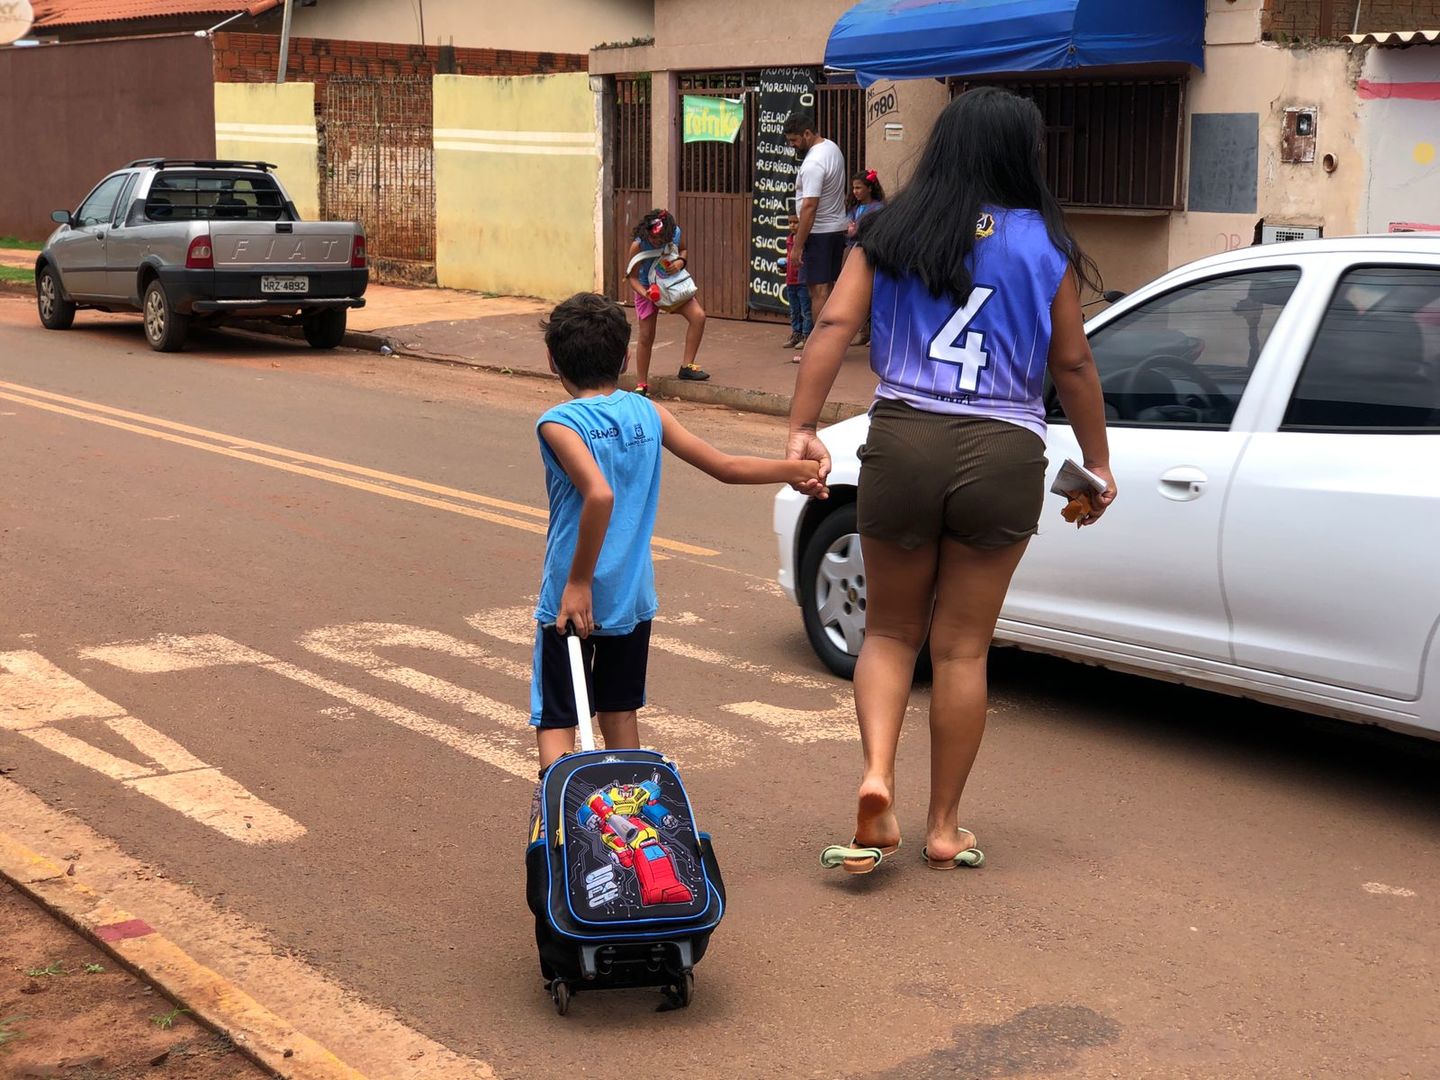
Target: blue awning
{"points": [[917, 39]]}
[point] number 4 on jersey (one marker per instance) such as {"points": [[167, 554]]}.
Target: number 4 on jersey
{"points": [[971, 357]]}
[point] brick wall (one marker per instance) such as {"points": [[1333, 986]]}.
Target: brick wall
{"points": [[1288, 20], [256, 57]]}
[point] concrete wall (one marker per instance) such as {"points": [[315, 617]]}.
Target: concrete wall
{"points": [[275, 124], [898, 118], [1265, 79], [1128, 250], [551, 25], [69, 114], [1399, 106], [517, 184]]}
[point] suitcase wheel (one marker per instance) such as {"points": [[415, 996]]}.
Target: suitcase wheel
{"points": [[560, 995], [680, 993]]}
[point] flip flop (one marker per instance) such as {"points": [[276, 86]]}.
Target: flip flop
{"points": [[972, 857], [856, 859]]}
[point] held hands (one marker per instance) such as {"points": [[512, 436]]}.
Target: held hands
{"points": [[804, 475], [805, 445], [576, 610]]}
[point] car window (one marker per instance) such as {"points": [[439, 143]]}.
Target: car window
{"points": [[122, 204], [1375, 362], [100, 206], [212, 196], [1184, 358]]}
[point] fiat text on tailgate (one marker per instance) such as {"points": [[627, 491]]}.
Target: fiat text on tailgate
{"points": [[194, 243]]}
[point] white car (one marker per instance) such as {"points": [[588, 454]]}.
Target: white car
{"points": [[1275, 435]]}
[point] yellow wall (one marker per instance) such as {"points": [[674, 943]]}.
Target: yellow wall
{"points": [[517, 176], [276, 124]]}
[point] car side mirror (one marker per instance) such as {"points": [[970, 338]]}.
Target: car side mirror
{"points": [[1111, 295], [61, 217]]}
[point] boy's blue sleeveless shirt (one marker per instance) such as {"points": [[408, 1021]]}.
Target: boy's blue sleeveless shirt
{"points": [[623, 433]]}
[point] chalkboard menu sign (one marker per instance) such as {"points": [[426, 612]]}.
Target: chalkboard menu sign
{"points": [[781, 92]]}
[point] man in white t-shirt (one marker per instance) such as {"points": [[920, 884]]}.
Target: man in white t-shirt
{"points": [[820, 200]]}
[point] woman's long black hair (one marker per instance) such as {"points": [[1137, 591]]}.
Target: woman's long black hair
{"points": [[984, 151]]}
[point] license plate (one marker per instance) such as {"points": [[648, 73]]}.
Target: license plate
{"points": [[284, 284]]}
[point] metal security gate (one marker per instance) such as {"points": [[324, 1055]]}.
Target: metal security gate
{"points": [[377, 163], [632, 152]]}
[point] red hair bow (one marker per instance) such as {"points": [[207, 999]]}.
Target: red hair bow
{"points": [[872, 176]]}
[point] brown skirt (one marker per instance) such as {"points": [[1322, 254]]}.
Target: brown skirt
{"points": [[925, 475]]}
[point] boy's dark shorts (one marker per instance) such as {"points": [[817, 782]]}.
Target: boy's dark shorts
{"points": [[824, 258], [614, 673]]}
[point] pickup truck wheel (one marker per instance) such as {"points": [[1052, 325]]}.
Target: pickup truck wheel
{"points": [[165, 328], [56, 313], [326, 330]]}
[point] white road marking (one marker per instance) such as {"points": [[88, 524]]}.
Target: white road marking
{"points": [[36, 696], [1377, 889], [177, 653], [834, 721]]}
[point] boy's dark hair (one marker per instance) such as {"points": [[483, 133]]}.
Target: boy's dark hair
{"points": [[587, 336], [797, 123]]}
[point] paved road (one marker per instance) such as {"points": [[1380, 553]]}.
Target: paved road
{"points": [[271, 608]]}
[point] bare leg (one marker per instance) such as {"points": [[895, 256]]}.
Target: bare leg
{"points": [[969, 593], [900, 586], [694, 315], [554, 743], [644, 343], [620, 730], [818, 295]]}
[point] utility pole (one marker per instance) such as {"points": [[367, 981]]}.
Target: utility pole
{"points": [[285, 42]]}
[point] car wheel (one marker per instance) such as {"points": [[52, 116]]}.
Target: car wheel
{"points": [[56, 313], [832, 591], [165, 328], [326, 330]]}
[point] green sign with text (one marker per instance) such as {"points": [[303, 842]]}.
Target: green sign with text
{"points": [[712, 119]]}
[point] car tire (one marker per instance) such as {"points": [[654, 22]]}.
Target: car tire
{"points": [[834, 619], [56, 313], [326, 330], [838, 537], [165, 328]]}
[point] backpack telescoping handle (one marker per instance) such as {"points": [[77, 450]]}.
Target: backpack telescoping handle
{"points": [[582, 694]]}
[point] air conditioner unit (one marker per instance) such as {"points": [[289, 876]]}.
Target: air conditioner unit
{"points": [[1278, 234]]}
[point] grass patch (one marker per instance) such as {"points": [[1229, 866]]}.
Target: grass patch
{"points": [[55, 968], [17, 274], [8, 1032], [166, 1022], [20, 245]]}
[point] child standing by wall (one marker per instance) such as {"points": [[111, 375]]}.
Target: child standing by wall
{"points": [[796, 295], [658, 230]]}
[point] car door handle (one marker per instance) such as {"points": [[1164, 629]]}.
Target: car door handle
{"points": [[1183, 483]]}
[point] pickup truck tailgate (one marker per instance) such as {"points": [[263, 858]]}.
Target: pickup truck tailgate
{"points": [[262, 245]]}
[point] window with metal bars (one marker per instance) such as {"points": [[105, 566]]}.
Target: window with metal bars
{"points": [[632, 133], [1109, 143]]}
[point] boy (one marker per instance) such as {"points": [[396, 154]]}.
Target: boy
{"points": [[602, 469], [796, 294]]}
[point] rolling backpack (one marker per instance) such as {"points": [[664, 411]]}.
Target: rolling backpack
{"points": [[624, 887]]}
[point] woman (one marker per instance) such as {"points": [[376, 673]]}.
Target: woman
{"points": [[971, 280], [657, 231], [866, 196]]}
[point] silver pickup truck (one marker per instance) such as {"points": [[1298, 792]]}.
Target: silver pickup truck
{"points": [[196, 243]]}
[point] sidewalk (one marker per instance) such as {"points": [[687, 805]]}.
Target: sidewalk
{"points": [[748, 369]]}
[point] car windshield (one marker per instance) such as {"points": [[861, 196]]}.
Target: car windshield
{"points": [[215, 196]]}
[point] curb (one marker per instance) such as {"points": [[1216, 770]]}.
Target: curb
{"points": [[208, 997], [762, 402]]}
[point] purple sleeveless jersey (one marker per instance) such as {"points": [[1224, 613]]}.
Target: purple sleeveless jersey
{"points": [[987, 357]]}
